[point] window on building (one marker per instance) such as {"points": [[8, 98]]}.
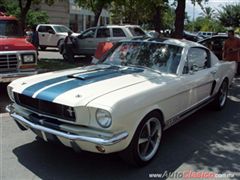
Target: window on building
{"points": [[103, 32], [118, 32]]}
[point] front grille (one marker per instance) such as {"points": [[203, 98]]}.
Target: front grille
{"points": [[45, 107], [8, 62]]}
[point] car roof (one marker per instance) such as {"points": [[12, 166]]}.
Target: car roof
{"points": [[177, 42], [213, 37], [116, 26], [51, 25]]}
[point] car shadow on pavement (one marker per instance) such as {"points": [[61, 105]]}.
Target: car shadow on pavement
{"points": [[206, 141]]}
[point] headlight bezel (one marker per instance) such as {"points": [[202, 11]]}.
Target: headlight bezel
{"points": [[10, 93], [24, 61], [103, 118]]}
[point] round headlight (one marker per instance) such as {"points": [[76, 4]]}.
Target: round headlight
{"points": [[103, 118]]}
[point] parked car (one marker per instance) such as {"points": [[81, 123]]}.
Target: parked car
{"points": [[204, 34], [87, 42], [215, 43], [123, 104], [52, 35], [191, 37]]}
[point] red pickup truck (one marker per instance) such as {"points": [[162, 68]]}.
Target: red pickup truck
{"points": [[18, 57]]}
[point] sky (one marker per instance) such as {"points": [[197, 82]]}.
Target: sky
{"points": [[215, 4]]}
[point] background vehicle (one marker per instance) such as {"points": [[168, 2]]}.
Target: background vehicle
{"points": [[205, 34], [124, 103], [191, 37], [87, 42], [215, 43], [18, 57], [52, 35]]}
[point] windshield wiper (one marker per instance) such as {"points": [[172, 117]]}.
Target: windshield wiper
{"points": [[144, 67]]}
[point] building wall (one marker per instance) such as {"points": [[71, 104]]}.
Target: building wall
{"points": [[66, 12], [58, 12]]}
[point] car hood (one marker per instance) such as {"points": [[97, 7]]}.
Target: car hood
{"points": [[15, 44], [78, 87]]}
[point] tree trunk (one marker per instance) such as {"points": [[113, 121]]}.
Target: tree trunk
{"points": [[97, 15], [157, 19], [179, 21], [23, 13]]}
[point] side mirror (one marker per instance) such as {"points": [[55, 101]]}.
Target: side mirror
{"points": [[50, 31], [195, 68]]}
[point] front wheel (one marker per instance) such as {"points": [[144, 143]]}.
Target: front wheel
{"points": [[145, 142], [221, 97]]}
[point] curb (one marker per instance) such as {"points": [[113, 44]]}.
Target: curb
{"points": [[4, 115]]}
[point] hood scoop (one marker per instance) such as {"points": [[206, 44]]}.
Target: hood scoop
{"points": [[104, 73]]}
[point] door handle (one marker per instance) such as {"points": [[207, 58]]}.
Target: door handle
{"points": [[213, 72]]}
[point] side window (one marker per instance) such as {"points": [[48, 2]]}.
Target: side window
{"points": [[49, 29], [88, 33], [103, 33], [118, 32], [136, 31], [42, 29], [197, 59]]}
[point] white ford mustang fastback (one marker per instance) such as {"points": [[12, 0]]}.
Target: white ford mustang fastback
{"points": [[122, 104]]}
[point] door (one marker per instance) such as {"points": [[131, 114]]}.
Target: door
{"points": [[86, 43], [47, 36], [118, 34], [198, 75]]}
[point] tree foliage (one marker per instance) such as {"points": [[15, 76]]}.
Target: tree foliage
{"points": [[20, 8], [229, 15], [96, 6], [148, 12]]}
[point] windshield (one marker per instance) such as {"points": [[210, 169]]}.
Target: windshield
{"points": [[157, 56], [61, 29], [9, 28]]}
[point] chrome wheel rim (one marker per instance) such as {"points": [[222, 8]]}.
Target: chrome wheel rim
{"points": [[223, 94], [149, 139]]}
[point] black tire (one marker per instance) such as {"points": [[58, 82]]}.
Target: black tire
{"points": [[146, 140], [60, 45], [221, 97], [43, 48]]}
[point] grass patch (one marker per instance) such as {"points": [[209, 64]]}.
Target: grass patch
{"points": [[55, 64]]}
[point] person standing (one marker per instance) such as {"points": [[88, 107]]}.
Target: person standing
{"points": [[69, 45], [35, 38], [231, 49]]}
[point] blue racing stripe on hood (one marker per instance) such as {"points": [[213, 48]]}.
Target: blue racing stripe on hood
{"points": [[51, 93], [29, 91]]}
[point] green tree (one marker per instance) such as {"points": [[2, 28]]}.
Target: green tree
{"points": [[180, 16], [96, 6], [146, 12], [229, 15], [208, 13], [20, 8], [24, 13]]}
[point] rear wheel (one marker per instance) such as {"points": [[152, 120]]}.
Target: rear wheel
{"points": [[145, 142], [221, 97], [43, 48]]}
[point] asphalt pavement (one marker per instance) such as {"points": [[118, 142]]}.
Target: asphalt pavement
{"points": [[208, 142]]}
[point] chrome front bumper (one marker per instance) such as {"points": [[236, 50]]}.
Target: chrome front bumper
{"points": [[8, 77], [104, 141]]}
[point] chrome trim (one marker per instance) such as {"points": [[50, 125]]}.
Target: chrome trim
{"points": [[104, 141], [47, 116]]}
